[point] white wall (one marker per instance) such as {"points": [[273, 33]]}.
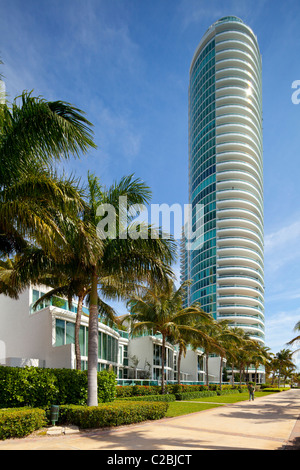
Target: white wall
{"points": [[26, 338]]}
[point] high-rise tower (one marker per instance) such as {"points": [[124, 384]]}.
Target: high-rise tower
{"points": [[226, 176]]}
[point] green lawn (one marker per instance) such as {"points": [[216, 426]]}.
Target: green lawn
{"points": [[178, 408], [231, 398]]}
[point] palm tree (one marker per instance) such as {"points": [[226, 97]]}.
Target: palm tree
{"points": [[226, 337], [284, 360], [188, 334], [260, 356], [272, 366], [86, 264], [209, 343], [35, 133], [159, 310], [233, 348], [297, 338], [124, 261]]}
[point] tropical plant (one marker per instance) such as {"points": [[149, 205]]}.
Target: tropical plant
{"points": [[191, 332], [226, 337], [209, 343], [297, 338], [232, 350], [260, 356], [126, 261], [284, 361], [159, 310], [34, 134]]}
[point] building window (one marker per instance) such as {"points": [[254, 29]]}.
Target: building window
{"points": [[60, 332]]}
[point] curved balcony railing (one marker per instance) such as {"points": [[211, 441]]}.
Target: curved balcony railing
{"points": [[236, 106], [239, 306], [246, 37], [243, 315]]}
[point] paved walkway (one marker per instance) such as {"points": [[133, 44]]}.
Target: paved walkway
{"points": [[267, 423]]}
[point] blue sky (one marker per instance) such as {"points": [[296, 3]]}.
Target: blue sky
{"points": [[126, 64]]}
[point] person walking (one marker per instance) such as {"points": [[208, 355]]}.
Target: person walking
{"points": [[251, 390]]}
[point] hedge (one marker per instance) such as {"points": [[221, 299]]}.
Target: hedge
{"points": [[274, 389], [169, 397], [20, 422], [207, 393], [191, 395], [229, 392], [38, 387], [116, 414]]}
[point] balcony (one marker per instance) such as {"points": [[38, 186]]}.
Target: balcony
{"points": [[237, 162], [237, 36], [237, 144], [240, 300], [238, 184], [225, 63], [238, 289], [238, 261], [244, 242], [239, 203], [231, 109], [237, 319], [233, 49], [239, 194], [238, 280], [241, 232], [240, 270], [240, 309], [237, 131], [239, 251], [239, 213]]}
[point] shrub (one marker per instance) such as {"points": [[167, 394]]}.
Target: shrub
{"points": [[20, 422], [123, 391], [191, 395], [37, 387], [28, 386], [116, 414], [274, 389], [228, 392], [106, 386], [169, 397]]}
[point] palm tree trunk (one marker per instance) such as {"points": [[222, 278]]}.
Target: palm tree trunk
{"points": [[163, 365], [93, 344], [77, 329], [232, 374], [179, 364], [221, 367], [207, 380]]}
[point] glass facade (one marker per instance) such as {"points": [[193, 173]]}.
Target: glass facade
{"points": [[107, 344], [202, 164], [226, 177]]}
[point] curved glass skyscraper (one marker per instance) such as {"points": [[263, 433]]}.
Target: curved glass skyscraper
{"points": [[226, 176]]}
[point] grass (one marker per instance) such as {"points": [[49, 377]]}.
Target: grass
{"points": [[231, 398], [178, 408]]}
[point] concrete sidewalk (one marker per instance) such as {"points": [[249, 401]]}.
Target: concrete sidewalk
{"points": [[267, 423]]}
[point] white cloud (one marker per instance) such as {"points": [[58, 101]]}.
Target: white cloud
{"points": [[283, 237], [282, 250], [116, 131], [280, 330]]}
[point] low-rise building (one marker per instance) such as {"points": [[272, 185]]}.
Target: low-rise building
{"points": [[45, 337]]}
